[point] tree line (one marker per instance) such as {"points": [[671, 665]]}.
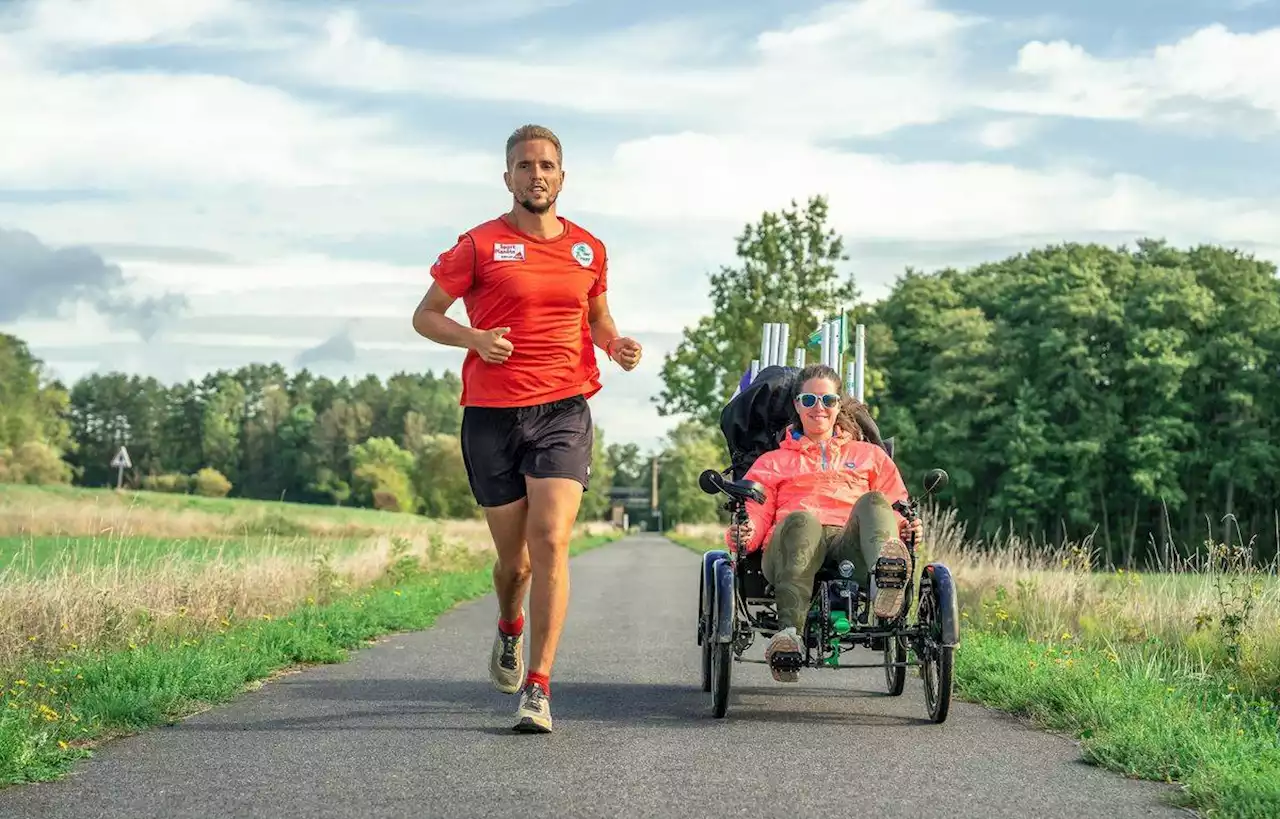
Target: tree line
{"points": [[1125, 394], [255, 432]]}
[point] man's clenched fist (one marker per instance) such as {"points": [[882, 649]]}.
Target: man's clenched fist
{"points": [[625, 351], [492, 347]]}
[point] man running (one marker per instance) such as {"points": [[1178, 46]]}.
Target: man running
{"points": [[533, 284]]}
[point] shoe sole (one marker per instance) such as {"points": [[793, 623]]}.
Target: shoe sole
{"points": [[532, 725], [785, 661], [893, 568], [499, 676]]}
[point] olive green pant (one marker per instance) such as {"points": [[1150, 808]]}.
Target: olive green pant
{"points": [[800, 544]]}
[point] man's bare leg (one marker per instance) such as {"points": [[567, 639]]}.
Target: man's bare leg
{"points": [[553, 508], [511, 572]]}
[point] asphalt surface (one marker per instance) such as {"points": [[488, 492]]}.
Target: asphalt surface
{"points": [[412, 728]]}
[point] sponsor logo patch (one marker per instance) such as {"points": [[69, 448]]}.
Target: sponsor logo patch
{"points": [[508, 252], [583, 253]]}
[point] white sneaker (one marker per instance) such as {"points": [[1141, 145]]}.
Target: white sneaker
{"points": [[534, 713], [506, 662]]}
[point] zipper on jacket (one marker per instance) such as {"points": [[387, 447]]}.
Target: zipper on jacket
{"points": [[825, 464]]}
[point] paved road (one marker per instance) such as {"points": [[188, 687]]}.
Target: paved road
{"points": [[411, 728]]}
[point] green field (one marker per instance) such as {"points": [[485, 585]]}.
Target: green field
{"points": [[43, 554], [46, 509], [61, 528]]}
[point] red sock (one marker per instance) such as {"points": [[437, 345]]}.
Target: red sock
{"points": [[541, 680], [512, 627]]}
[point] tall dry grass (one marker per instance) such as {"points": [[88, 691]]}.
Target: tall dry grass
{"points": [[99, 599], [1218, 612], [92, 601], [1218, 604], [136, 514]]}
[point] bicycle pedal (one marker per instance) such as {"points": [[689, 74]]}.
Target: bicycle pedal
{"points": [[891, 573], [786, 660]]}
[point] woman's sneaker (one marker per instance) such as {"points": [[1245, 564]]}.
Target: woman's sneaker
{"points": [[506, 662], [892, 571], [534, 714]]}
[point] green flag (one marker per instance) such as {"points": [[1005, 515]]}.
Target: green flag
{"points": [[842, 333]]}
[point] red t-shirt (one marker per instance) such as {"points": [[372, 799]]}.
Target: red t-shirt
{"points": [[539, 288]]}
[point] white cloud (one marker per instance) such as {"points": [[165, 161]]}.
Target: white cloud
{"points": [[876, 198], [999, 135], [148, 130], [89, 23], [484, 12], [851, 69], [893, 23], [1175, 83]]}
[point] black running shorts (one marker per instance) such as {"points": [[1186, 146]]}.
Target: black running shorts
{"points": [[501, 445]]}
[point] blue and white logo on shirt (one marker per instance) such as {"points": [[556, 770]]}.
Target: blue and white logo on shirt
{"points": [[583, 253]]}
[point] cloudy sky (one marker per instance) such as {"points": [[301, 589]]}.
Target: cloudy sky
{"points": [[192, 185]]}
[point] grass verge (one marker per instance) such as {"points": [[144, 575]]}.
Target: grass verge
{"points": [[1141, 719], [1111, 663], [55, 711]]}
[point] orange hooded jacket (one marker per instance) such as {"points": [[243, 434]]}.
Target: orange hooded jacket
{"points": [[823, 477]]}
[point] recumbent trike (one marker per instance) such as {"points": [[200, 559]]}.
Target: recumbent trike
{"points": [[735, 602]]}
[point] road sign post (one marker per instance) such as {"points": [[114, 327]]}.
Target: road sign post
{"points": [[121, 462], [654, 505]]}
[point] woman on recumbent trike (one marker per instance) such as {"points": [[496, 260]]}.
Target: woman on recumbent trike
{"points": [[829, 495]]}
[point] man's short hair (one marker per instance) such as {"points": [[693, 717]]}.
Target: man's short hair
{"points": [[526, 133]]}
